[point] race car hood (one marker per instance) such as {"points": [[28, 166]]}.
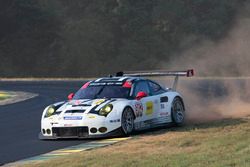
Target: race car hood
{"points": [[78, 109], [83, 105]]}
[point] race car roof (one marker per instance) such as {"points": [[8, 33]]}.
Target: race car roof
{"points": [[116, 81], [113, 80]]}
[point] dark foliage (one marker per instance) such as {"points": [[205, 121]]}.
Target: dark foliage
{"points": [[64, 38]]}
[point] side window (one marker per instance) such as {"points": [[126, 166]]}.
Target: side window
{"points": [[141, 86], [155, 88]]}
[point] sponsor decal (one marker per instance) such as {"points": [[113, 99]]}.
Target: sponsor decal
{"points": [[149, 108], [83, 103], [91, 117], [164, 114], [72, 117], [74, 103], [162, 106], [53, 123], [114, 83], [77, 102], [114, 121], [106, 83], [98, 102], [97, 84], [138, 109]]}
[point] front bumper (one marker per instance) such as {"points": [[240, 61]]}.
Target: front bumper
{"points": [[77, 133], [89, 125]]}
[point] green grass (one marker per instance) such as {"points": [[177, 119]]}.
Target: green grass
{"points": [[215, 144]]}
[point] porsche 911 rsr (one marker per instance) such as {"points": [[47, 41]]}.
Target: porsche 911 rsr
{"points": [[116, 105]]}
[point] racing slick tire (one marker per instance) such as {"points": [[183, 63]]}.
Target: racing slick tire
{"points": [[127, 121], [178, 111]]}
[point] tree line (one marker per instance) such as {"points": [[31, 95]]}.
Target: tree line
{"points": [[80, 38]]}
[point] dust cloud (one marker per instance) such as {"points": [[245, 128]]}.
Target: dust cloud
{"points": [[217, 97]]}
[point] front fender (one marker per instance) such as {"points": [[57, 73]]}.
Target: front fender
{"points": [[118, 107], [56, 105]]}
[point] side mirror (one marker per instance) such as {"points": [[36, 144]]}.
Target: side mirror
{"points": [[70, 96], [140, 95]]}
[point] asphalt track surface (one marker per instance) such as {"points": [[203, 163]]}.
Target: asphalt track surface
{"points": [[20, 122]]}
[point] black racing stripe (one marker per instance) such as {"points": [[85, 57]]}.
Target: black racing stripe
{"points": [[59, 105], [112, 101], [93, 110]]}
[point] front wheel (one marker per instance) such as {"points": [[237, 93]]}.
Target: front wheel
{"points": [[178, 111], [127, 121]]}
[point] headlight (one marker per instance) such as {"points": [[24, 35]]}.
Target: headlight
{"points": [[50, 111], [106, 110]]}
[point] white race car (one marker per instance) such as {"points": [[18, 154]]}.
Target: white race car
{"points": [[113, 106]]}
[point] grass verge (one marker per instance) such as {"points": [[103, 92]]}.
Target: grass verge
{"points": [[220, 143]]}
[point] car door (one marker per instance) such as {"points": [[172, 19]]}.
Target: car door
{"points": [[162, 114], [149, 103]]}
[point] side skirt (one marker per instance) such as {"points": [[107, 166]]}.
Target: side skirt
{"points": [[153, 123]]}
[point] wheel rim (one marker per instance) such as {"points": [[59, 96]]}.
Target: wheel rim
{"points": [[179, 111], [127, 121]]}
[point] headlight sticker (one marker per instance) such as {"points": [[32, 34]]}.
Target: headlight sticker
{"points": [[98, 102], [91, 116]]}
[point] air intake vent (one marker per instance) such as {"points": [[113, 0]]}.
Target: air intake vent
{"points": [[75, 111], [70, 131]]}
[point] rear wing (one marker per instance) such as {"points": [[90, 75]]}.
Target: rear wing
{"points": [[176, 74]]}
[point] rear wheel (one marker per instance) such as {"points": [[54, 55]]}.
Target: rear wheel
{"points": [[178, 111], [127, 121]]}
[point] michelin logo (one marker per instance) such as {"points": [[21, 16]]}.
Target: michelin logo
{"points": [[73, 118]]}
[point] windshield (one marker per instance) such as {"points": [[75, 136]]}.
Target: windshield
{"points": [[96, 92]]}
